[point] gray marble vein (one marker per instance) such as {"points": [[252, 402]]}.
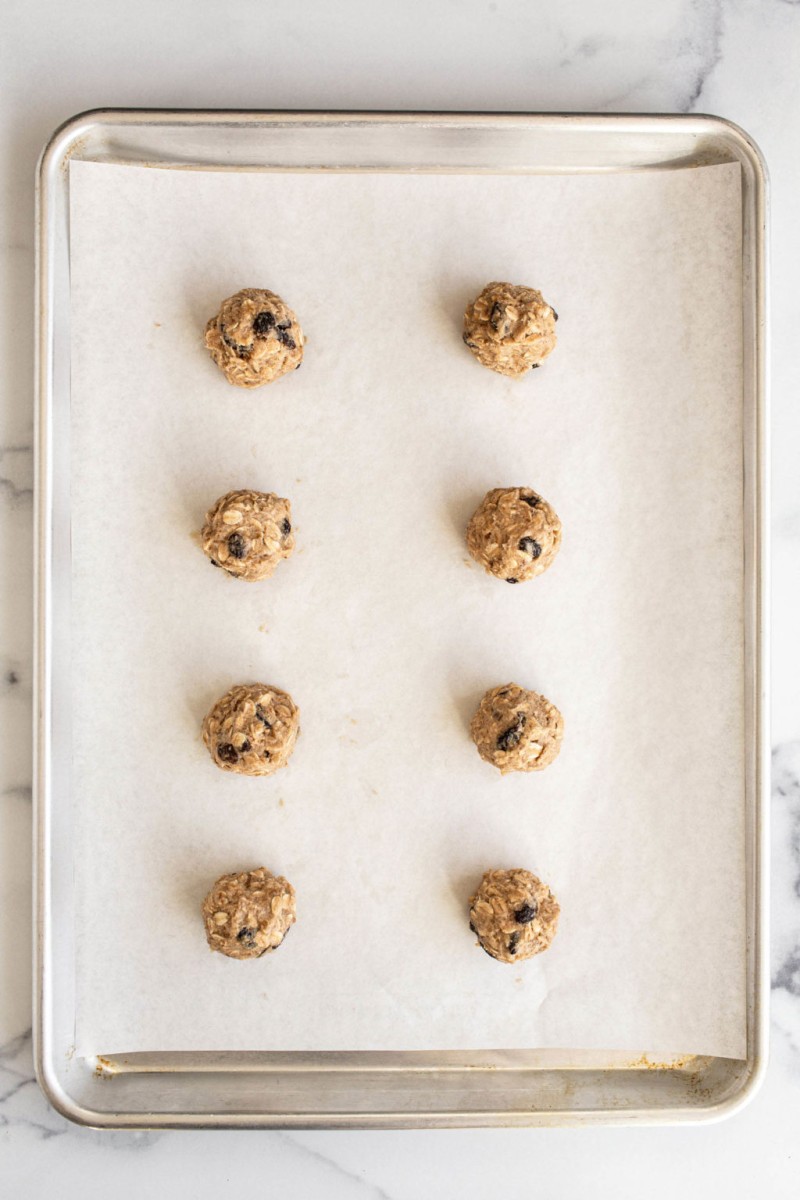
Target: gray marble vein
{"points": [[708, 47], [669, 65], [788, 974], [586, 48], [19, 791], [23, 1106], [21, 1102], [786, 859], [13, 675], [365, 1187], [16, 475]]}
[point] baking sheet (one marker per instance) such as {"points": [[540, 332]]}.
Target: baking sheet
{"points": [[385, 635]]}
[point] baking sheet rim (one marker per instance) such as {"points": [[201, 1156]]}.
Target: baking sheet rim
{"points": [[68, 142]]}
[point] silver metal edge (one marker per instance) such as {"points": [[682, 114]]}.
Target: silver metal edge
{"points": [[752, 160], [54, 157]]}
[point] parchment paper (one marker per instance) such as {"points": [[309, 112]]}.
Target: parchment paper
{"points": [[384, 631]]}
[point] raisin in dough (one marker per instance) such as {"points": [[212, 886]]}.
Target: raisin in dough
{"points": [[514, 534], [248, 533], [252, 729], [255, 338], [514, 914], [510, 329], [517, 730], [249, 913]]}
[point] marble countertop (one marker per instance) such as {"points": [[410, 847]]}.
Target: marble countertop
{"points": [[736, 58]]}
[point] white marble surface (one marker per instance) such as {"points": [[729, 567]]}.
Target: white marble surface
{"points": [[737, 58]]}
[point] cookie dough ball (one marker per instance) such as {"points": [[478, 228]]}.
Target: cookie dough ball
{"points": [[514, 914], [249, 913], [252, 729], [510, 329], [248, 533], [255, 338], [514, 534], [517, 730]]}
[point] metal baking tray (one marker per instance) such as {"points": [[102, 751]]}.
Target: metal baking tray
{"points": [[402, 1090]]}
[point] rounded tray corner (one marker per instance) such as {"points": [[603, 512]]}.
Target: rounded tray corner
{"points": [[65, 139], [741, 144], [58, 1096]]}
